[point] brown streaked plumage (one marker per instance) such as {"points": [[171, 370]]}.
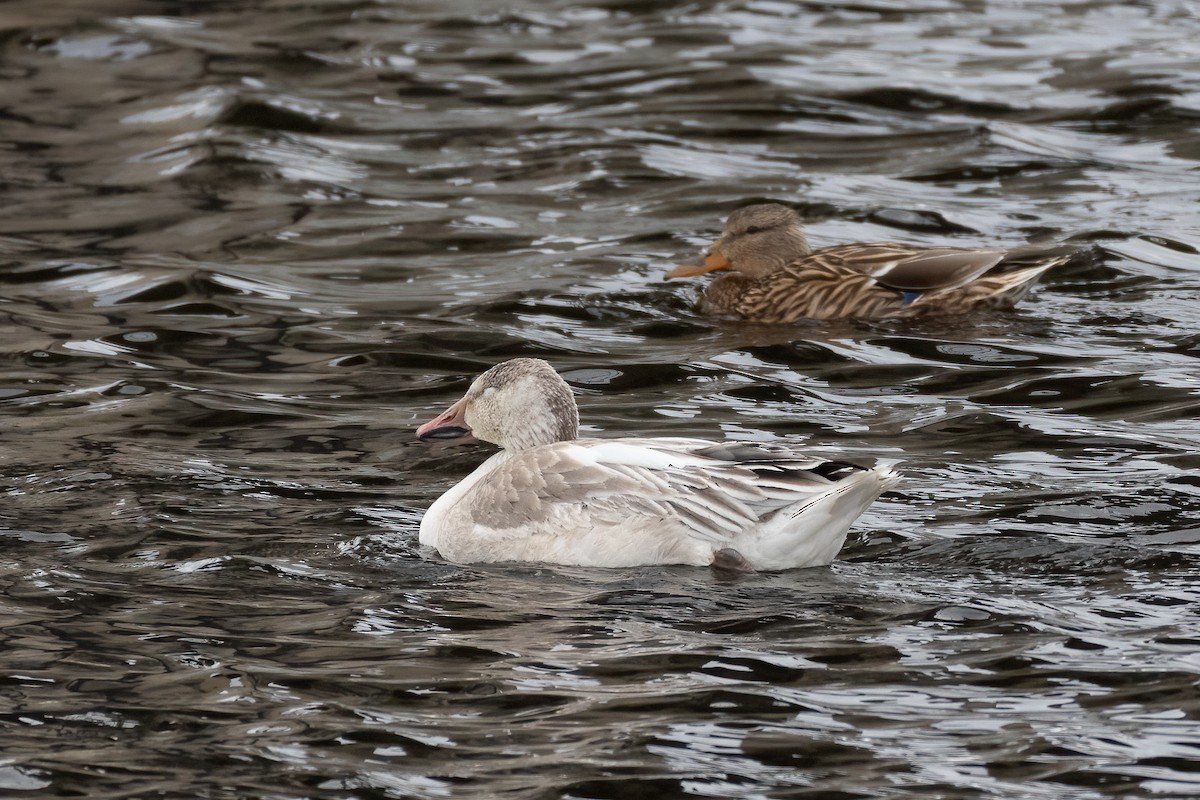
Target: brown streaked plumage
{"points": [[776, 277]]}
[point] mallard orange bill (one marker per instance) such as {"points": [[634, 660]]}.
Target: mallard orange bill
{"points": [[712, 262]]}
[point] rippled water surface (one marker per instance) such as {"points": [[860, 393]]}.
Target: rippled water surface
{"points": [[248, 246]]}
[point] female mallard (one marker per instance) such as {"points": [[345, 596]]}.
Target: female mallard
{"points": [[777, 277], [548, 496]]}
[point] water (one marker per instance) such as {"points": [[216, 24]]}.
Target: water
{"points": [[248, 246]]}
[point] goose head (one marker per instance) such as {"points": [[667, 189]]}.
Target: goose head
{"points": [[517, 404], [757, 240]]}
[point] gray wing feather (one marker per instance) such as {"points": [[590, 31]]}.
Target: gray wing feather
{"points": [[938, 269], [715, 492]]}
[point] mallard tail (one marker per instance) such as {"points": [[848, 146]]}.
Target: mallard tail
{"points": [[1014, 276]]}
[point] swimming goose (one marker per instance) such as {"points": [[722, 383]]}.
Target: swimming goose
{"points": [[550, 497], [776, 277]]}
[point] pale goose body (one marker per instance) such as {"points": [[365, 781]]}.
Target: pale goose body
{"points": [[550, 497]]}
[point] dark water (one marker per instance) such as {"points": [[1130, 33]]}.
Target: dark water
{"points": [[248, 246]]}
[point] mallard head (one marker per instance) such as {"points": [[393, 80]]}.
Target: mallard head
{"points": [[757, 240]]}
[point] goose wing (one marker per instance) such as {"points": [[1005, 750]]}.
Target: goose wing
{"points": [[713, 492]]}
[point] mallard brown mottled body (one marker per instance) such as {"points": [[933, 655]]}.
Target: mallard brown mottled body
{"points": [[776, 277]]}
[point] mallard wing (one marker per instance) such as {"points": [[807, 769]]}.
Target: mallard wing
{"points": [[906, 268]]}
